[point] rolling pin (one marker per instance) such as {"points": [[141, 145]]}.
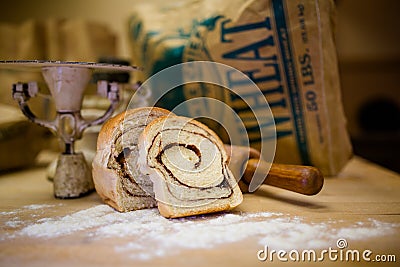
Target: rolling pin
{"points": [[246, 163]]}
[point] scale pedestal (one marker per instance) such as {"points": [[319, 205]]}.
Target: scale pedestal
{"points": [[73, 177]]}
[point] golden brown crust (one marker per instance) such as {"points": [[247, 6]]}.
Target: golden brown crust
{"points": [[105, 183], [169, 211], [108, 129]]}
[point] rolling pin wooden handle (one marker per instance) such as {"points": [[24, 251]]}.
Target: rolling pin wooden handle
{"points": [[305, 180]]}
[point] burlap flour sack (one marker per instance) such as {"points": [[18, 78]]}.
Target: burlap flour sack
{"points": [[285, 47]]}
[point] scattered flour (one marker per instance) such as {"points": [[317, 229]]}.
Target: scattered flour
{"points": [[37, 206], [4, 213], [156, 236], [16, 222]]}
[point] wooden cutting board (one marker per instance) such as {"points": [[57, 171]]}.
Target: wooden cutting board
{"points": [[362, 193]]}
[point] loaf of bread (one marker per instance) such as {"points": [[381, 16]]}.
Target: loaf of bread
{"points": [[116, 177], [187, 163]]}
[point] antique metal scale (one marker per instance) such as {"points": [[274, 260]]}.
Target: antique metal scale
{"points": [[67, 82]]}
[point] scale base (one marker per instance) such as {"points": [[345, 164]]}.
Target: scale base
{"points": [[73, 178]]}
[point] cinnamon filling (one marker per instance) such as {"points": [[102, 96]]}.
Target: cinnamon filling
{"points": [[223, 185], [126, 177]]}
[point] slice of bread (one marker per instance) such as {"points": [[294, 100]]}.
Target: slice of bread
{"points": [[115, 174], [187, 163]]}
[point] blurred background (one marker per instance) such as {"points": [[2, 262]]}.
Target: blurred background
{"points": [[367, 36]]}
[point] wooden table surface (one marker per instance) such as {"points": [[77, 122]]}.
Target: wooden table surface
{"points": [[363, 193]]}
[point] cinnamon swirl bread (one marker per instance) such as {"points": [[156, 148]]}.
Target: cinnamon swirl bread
{"points": [[116, 177], [187, 164]]}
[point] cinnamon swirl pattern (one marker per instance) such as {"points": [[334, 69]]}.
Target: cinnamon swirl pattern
{"points": [[187, 164], [115, 174]]}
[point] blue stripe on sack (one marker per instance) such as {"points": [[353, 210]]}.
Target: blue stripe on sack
{"points": [[291, 78]]}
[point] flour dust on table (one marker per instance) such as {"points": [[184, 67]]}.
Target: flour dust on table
{"points": [[151, 235]]}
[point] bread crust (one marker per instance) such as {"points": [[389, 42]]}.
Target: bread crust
{"points": [[105, 185], [107, 132]]}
